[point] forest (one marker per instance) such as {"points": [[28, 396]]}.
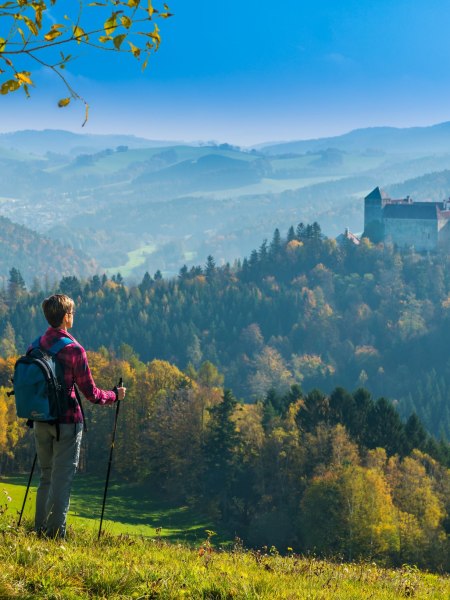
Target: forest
{"points": [[299, 397], [301, 309], [337, 475]]}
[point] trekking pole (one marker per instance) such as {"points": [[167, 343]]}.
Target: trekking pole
{"points": [[26, 493], [110, 461]]}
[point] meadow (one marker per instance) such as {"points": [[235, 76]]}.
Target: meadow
{"points": [[138, 560], [130, 509]]}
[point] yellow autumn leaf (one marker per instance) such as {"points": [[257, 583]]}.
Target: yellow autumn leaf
{"points": [[9, 86], [63, 102], [30, 24], [24, 77], [126, 21], [155, 35], [133, 3], [79, 33], [2, 44], [38, 9], [52, 34], [110, 24], [150, 9], [135, 50]]}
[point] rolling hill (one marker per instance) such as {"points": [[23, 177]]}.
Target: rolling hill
{"points": [[115, 197], [36, 255]]}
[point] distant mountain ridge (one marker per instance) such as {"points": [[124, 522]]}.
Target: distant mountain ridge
{"points": [[434, 138], [66, 142]]}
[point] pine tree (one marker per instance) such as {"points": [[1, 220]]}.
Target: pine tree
{"points": [[16, 286], [220, 452], [146, 283], [290, 234], [210, 267], [300, 232], [275, 244]]}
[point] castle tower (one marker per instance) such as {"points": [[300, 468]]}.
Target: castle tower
{"points": [[373, 214]]}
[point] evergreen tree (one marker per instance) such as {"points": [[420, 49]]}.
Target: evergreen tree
{"points": [[70, 286], [220, 453], [16, 286], [300, 232], [183, 274], [275, 244], [385, 428], [290, 234], [146, 283], [210, 267], [415, 434]]}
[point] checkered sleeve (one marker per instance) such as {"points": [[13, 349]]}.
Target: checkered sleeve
{"points": [[85, 383]]}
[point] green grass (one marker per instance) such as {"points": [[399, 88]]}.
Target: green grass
{"points": [[120, 567], [135, 560], [135, 259], [130, 509]]}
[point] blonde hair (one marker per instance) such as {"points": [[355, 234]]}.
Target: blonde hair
{"points": [[55, 307]]}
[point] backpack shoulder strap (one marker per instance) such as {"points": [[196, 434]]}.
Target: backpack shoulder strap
{"points": [[35, 344], [59, 345]]}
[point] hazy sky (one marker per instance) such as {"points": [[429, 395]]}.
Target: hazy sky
{"points": [[252, 71]]}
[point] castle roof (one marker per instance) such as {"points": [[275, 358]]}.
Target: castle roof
{"points": [[414, 210], [377, 194], [348, 235]]}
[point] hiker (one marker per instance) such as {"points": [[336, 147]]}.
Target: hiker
{"points": [[58, 444]]}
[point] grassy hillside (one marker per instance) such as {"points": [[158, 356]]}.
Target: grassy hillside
{"points": [[124, 566], [130, 509]]}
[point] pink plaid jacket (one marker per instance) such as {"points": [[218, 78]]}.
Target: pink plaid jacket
{"points": [[76, 370]]}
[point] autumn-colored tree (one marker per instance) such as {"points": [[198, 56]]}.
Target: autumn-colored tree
{"points": [[349, 511], [420, 511], [270, 372], [12, 431]]}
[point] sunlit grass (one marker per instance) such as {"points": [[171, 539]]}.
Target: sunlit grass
{"points": [[130, 510], [119, 567], [137, 557]]}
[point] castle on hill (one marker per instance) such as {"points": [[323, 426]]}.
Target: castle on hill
{"points": [[405, 223]]}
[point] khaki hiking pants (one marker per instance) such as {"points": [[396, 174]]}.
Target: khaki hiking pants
{"points": [[58, 461]]}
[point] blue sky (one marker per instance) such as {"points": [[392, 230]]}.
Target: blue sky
{"points": [[255, 71]]}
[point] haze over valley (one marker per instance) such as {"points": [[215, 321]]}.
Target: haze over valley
{"points": [[133, 205]]}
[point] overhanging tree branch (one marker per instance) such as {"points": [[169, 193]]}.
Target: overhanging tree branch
{"points": [[126, 26]]}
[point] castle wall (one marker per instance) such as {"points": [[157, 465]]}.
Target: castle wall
{"points": [[373, 211], [420, 233], [444, 232]]}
